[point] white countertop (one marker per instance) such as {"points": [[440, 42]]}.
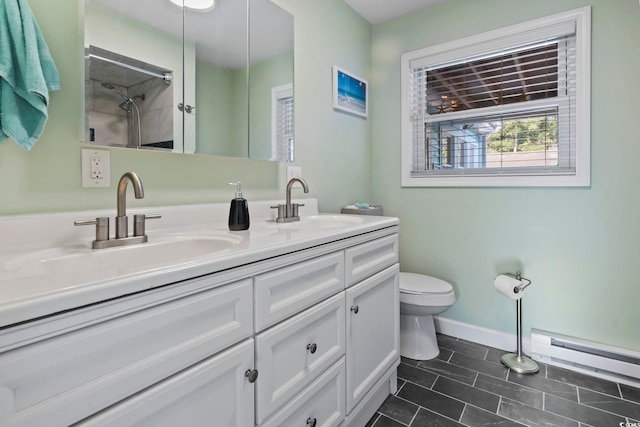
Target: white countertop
{"points": [[30, 289]]}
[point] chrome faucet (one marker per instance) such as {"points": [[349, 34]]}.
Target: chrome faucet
{"points": [[122, 221], [289, 211]]}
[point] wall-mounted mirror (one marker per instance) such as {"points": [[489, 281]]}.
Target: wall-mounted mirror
{"points": [[165, 76]]}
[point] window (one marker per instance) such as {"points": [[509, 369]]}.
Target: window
{"points": [[282, 143], [504, 108]]}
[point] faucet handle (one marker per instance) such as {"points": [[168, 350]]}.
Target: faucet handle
{"points": [[294, 209], [282, 211], [102, 227], [139, 223]]}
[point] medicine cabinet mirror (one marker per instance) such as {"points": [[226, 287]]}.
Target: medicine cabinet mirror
{"points": [[161, 75]]}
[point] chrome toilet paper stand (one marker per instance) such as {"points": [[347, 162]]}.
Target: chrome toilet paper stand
{"points": [[517, 361]]}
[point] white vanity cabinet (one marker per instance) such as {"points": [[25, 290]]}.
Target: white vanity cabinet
{"points": [[309, 337]]}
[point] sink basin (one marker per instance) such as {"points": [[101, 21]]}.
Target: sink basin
{"points": [[319, 221], [163, 251]]}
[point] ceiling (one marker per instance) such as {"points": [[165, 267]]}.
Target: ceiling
{"points": [[377, 11]]}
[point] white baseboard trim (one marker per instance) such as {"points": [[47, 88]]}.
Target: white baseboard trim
{"points": [[480, 335], [508, 342]]}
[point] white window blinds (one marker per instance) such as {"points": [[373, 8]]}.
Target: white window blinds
{"points": [[283, 124], [505, 106]]}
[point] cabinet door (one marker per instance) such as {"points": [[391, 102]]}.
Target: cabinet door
{"points": [[373, 331], [213, 393]]}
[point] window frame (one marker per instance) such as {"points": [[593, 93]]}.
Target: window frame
{"points": [[279, 93], [486, 42]]}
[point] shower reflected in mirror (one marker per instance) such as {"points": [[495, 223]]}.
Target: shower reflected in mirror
{"points": [[129, 105], [129, 102]]}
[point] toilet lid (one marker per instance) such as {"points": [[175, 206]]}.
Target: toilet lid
{"points": [[412, 283]]}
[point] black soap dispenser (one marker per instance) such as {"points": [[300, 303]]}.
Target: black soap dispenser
{"points": [[238, 211]]}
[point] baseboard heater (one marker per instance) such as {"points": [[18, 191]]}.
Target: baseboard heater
{"points": [[614, 363]]}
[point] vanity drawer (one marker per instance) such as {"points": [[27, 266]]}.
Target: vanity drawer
{"points": [[214, 392], [291, 355], [281, 293], [369, 258], [323, 401], [62, 380]]}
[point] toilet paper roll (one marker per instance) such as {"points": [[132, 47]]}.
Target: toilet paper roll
{"points": [[506, 284]]}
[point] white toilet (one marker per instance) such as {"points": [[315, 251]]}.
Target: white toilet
{"points": [[421, 297]]}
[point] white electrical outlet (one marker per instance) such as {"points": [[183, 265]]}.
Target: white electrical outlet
{"points": [[294, 172], [95, 168]]}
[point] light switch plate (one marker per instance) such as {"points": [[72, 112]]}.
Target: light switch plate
{"points": [[96, 168]]}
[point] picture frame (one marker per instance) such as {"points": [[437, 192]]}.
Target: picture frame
{"points": [[350, 92]]}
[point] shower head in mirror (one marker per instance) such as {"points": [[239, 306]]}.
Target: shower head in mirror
{"points": [[126, 105], [128, 102], [112, 87]]}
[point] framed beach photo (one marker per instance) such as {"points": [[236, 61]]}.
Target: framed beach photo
{"points": [[350, 92]]}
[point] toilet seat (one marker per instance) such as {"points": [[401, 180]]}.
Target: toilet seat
{"points": [[412, 283], [422, 290]]}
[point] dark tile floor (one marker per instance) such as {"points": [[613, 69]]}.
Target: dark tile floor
{"points": [[466, 385]]}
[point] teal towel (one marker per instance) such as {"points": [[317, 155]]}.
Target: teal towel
{"points": [[27, 74]]}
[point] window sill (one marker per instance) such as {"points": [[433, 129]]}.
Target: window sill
{"points": [[577, 180]]}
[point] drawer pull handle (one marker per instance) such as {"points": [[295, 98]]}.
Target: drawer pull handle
{"points": [[252, 375], [355, 309], [312, 348], [311, 422]]}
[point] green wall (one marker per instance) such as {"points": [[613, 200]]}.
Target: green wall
{"points": [[333, 148], [578, 246], [47, 178], [265, 75], [220, 97]]}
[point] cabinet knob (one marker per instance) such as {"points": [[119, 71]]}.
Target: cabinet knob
{"points": [[252, 375], [355, 309], [311, 422], [312, 348]]}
